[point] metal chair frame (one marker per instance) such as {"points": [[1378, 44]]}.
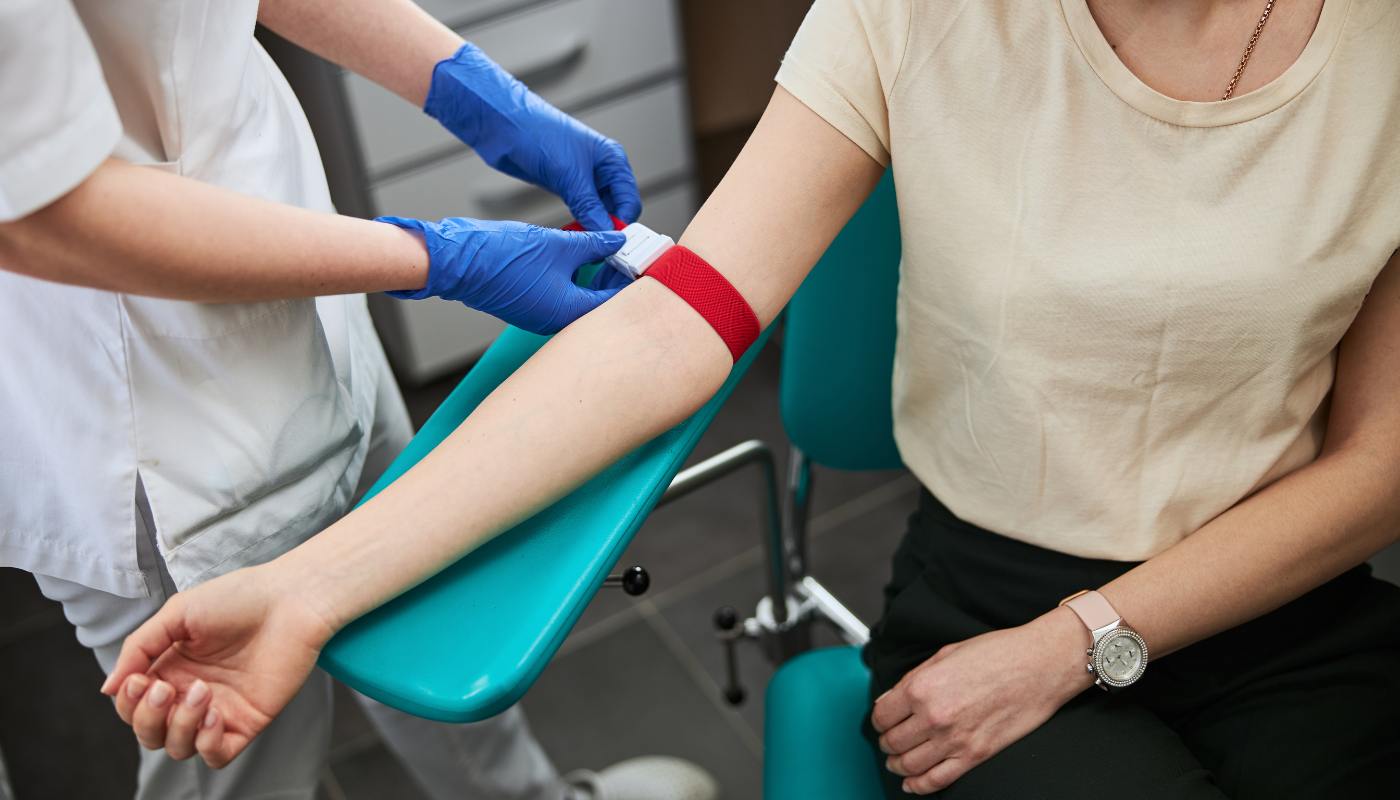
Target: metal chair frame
{"points": [[781, 623]]}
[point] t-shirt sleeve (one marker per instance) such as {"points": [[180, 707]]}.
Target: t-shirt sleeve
{"points": [[58, 122], [843, 64]]}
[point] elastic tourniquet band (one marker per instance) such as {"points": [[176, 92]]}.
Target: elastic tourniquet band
{"points": [[578, 226], [707, 291]]}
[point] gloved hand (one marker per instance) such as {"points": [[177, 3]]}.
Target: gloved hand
{"points": [[521, 273], [518, 133]]}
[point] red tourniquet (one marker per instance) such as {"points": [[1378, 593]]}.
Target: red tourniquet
{"points": [[578, 226], [707, 291]]}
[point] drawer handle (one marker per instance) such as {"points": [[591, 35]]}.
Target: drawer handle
{"points": [[549, 67]]}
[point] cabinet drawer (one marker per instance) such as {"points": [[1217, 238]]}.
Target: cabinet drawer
{"points": [[567, 52], [650, 125]]}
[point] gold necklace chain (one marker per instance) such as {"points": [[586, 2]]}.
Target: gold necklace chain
{"points": [[1248, 51]]}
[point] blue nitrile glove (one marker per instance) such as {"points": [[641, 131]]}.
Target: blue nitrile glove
{"points": [[516, 132], [521, 273]]}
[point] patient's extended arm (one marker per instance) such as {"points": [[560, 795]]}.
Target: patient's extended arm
{"points": [[228, 655]]}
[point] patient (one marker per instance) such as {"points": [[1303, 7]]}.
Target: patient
{"points": [[1147, 346]]}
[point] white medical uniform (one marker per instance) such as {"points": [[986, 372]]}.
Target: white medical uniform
{"points": [[149, 445]]}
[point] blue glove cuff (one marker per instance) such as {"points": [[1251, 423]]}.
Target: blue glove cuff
{"points": [[421, 228], [480, 103]]}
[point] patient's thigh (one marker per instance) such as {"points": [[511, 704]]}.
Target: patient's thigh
{"points": [[1329, 729], [1098, 745]]}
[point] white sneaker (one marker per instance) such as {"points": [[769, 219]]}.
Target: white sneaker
{"points": [[647, 778]]}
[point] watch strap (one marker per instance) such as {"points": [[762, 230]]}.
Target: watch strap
{"points": [[1093, 609]]}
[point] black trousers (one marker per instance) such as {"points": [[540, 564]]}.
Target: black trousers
{"points": [[1303, 702]]}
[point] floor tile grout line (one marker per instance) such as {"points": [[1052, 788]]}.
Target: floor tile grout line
{"points": [[332, 785], [824, 523], [702, 679]]}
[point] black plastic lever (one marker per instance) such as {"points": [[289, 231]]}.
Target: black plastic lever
{"points": [[633, 580]]}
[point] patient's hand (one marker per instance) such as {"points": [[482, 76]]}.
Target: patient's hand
{"points": [[973, 698], [216, 664]]}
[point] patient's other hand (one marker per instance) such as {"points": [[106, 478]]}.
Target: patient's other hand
{"points": [[974, 698], [216, 664]]}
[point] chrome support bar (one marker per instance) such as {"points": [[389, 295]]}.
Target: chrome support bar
{"points": [[716, 467], [818, 599], [795, 509]]}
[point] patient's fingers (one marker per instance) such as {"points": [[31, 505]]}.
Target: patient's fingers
{"points": [[184, 721], [917, 760], [908, 734], [149, 720], [144, 645], [214, 747], [130, 694], [892, 708]]}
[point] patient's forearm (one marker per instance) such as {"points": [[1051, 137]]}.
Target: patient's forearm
{"points": [[630, 370], [616, 378]]}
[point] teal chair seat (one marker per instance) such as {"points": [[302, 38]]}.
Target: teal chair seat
{"points": [[467, 643], [812, 745]]}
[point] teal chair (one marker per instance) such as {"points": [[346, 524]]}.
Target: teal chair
{"points": [[467, 644], [835, 397]]}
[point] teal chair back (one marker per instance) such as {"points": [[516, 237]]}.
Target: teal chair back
{"points": [[838, 345]]}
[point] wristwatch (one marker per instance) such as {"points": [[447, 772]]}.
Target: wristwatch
{"points": [[1119, 655]]}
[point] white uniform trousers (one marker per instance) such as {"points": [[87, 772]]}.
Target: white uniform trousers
{"points": [[497, 759]]}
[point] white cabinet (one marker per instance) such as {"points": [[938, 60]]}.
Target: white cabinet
{"points": [[573, 53], [614, 64], [649, 124]]}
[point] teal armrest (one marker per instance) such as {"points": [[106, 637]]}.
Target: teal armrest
{"points": [[467, 644]]}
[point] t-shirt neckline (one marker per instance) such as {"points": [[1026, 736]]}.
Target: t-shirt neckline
{"points": [[1270, 97]]}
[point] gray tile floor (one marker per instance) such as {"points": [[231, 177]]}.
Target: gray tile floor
{"points": [[637, 675]]}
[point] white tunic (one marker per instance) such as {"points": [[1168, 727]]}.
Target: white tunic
{"points": [[247, 423]]}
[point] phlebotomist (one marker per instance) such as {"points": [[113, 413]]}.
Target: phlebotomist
{"points": [[189, 380]]}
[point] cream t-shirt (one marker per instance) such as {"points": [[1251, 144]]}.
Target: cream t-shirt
{"points": [[1118, 312]]}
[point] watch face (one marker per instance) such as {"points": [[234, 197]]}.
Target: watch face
{"points": [[1120, 657]]}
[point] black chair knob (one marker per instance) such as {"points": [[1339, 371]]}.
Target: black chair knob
{"points": [[635, 581], [725, 619]]}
